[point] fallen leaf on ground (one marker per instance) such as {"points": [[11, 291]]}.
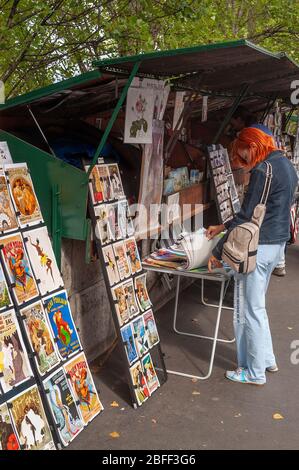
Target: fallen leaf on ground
{"points": [[154, 421], [194, 380], [114, 404], [114, 434], [195, 320], [277, 416], [195, 393], [290, 327], [238, 415]]}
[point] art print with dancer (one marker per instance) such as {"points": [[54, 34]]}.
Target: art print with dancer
{"points": [[8, 220]]}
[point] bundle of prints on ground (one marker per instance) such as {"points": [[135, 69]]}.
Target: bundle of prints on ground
{"points": [[125, 281], [47, 394]]}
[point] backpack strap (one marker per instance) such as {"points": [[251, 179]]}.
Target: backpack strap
{"points": [[267, 185]]}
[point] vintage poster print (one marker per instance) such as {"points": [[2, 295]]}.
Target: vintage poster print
{"points": [[140, 336], [40, 337], [113, 220], [128, 339], [139, 116], [62, 403], [133, 255], [115, 179], [62, 324], [121, 307], [5, 300], [23, 194], [105, 182], [139, 383], [130, 298], [8, 438], [42, 258], [102, 229], [95, 185], [121, 260], [84, 389], [151, 328], [141, 292], [111, 265], [18, 268], [8, 221], [30, 421], [5, 155], [125, 224], [14, 364], [150, 373]]}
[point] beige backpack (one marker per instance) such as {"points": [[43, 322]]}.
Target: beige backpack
{"points": [[240, 248]]}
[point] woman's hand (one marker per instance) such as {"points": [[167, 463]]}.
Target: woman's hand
{"points": [[213, 230], [214, 263]]}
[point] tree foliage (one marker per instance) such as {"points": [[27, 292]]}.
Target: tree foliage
{"points": [[42, 42]]}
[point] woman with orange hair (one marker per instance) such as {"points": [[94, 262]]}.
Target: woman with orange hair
{"points": [[253, 338]]}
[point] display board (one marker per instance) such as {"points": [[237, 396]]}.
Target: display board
{"points": [[126, 283], [40, 402]]}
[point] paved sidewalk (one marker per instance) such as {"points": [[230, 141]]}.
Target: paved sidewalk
{"points": [[212, 414]]}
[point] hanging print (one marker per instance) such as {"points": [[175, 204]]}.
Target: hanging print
{"points": [[18, 268], [5, 156], [63, 407], [121, 260], [139, 116], [130, 298], [62, 324], [150, 373], [121, 307], [40, 337], [95, 185], [5, 300], [8, 438], [139, 383], [141, 292], [102, 229], [30, 421], [111, 265], [43, 261], [14, 364], [113, 220], [115, 179], [125, 224], [151, 328], [84, 389], [23, 194], [133, 255], [128, 340], [140, 336], [105, 182], [8, 221]]}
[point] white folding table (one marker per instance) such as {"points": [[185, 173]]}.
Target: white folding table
{"points": [[223, 279]]}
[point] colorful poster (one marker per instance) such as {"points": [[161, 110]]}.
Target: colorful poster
{"points": [[139, 383], [83, 387], [133, 255], [95, 185], [5, 156], [125, 224], [63, 407], [102, 229], [8, 438], [105, 182], [121, 260], [30, 421], [140, 336], [113, 220], [121, 307], [139, 116], [23, 194], [130, 298], [150, 373], [142, 294], [14, 364], [111, 265], [115, 179], [62, 324], [5, 300], [43, 261], [151, 328], [18, 268], [40, 337], [8, 221], [128, 339]]}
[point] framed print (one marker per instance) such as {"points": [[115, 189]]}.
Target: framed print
{"points": [[125, 224], [139, 116], [23, 195], [121, 260], [14, 362], [128, 340], [62, 324], [140, 336], [18, 268], [150, 373], [151, 328], [115, 180], [40, 337], [121, 306], [8, 220], [141, 292], [130, 297], [30, 421], [105, 182], [113, 220], [63, 407], [5, 299], [102, 229], [8, 438], [111, 265], [84, 389], [95, 185], [43, 261], [5, 156], [139, 383], [133, 255]]}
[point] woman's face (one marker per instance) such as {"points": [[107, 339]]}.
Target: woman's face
{"points": [[244, 156]]}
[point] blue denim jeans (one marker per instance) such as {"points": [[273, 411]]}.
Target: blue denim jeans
{"points": [[253, 337]]}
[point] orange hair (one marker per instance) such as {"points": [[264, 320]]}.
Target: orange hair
{"points": [[258, 142]]}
